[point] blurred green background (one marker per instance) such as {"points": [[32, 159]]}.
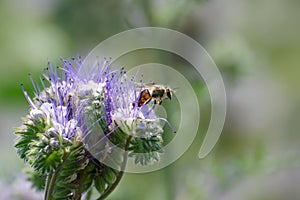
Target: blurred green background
{"points": [[256, 45]]}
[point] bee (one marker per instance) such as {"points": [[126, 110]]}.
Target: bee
{"points": [[154, 93]]}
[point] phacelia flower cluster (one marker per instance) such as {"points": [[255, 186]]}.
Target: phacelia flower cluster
{"points": [[90, 115]]}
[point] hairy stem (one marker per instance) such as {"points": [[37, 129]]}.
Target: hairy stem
{"points": [[47, 185], [117, 181], [89, 194], [78, 191], [52, 178]]}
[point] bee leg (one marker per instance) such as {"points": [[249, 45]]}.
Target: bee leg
{"points": [[152, 108]]}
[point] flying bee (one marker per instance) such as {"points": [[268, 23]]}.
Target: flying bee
{"points": [[155, 93]]}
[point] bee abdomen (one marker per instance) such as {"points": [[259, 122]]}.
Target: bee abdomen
{"points": [[158, 93]]}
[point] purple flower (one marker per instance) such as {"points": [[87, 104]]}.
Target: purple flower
{"points": [[81, 120], [89, 105], [121, 96], [66, 94]]}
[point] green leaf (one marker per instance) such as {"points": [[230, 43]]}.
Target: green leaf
{"points": [[37, 180], [145, 150], [70, 175]]}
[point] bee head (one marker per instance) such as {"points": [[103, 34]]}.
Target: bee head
{"points": [[169, 93]]}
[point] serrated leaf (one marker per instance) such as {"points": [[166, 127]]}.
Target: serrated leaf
{"points": [[109, 176], [37, 180], [100, 184]]}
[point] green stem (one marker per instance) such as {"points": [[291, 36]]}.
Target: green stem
{"points": [[47, 184], [78, 191], [117, 181], [52, 178], [89, 194]]}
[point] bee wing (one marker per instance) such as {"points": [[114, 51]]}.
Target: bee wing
{"points": [[144, 97]]}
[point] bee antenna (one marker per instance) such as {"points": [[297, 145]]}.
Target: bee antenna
{"points": [[174, 89]]}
